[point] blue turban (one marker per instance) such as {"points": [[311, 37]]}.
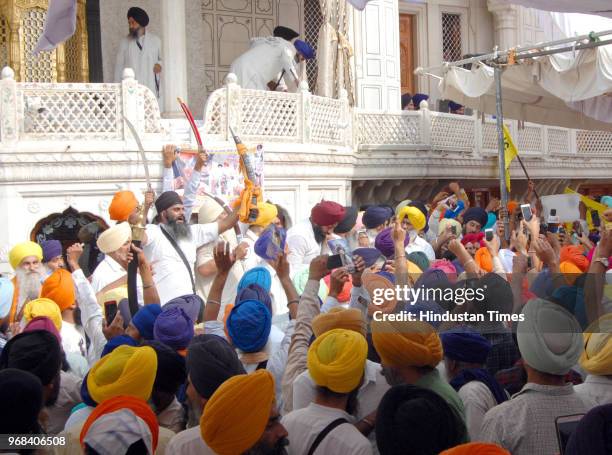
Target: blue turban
{"points": [[376, 215], [265, 248], [51, 249], [454, 106], [6, 296], [369, 255], [85, 396], [257, 275], [477, 214], [304, 48], [572, 299], [192, 304], [455, 213], [144, 320], [593, 435], [254, 292], [388, 275], [406, 98], [174, 328], [543, 286], [117, 341], [465, 345], [417, 98], [491, 220], [606, 200], [249, 325]]}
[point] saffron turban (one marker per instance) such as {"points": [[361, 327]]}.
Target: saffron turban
{"points": [[378, 285], [122, 205], [166, 200], [369, 255], [376, 215], [144, 320], [249, 325], [254, 292], [139, 15], [339, 318], [465, 345], [192, 304], [6, 296], [118, 423], [209, 211], [327, 213], [51, 249], [401, 344], [257, 275], [117, 341], [593, 435], [570, 272], [20, 392], [43, 307], [336, 360], [512, 206], [266, 247], [266, 214], [476, 448], [43, 323], [575, 255], [348, 222], [483, 259], [384, 243], [477, 214], [305, 49], [125, 371], [114, 237], [449, 222], [596, 358], [211, 361], [237, 413], [549, 338], [59, 287], [173, 328], [23, 250], [415, 217]]}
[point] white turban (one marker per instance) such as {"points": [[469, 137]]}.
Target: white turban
{"points": [[209, 210], [113, 238]]}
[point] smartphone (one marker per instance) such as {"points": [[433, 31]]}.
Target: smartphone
{"points": [[529, 263], [543, 228], [488, 234], [526, 212], [565, 426], [454, 230], [595, 218], [334, 262], [110, 310]]}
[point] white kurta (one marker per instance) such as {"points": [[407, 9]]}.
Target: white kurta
{"points": [[141, 61], [263, 62]]}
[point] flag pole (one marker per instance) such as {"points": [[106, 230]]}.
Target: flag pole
{"points": [[527, 175], [500, 146]]}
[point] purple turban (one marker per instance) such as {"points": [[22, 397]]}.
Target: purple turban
{"points": [[254, 292], [192, 304], [384, 243], [51, 249], [174, 328], [249, 325], [465, 345], [266, 248], [369, 255]]}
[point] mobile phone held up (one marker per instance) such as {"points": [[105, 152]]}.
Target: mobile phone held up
{"points": [[553, 222], [110, 310], [526, 212], [489, 234]]}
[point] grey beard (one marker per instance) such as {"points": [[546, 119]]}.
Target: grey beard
{"points": [[180, 231], [133, 33], [29, 286]]}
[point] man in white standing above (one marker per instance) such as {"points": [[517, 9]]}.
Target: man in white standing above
{"points": [[141, 51]]}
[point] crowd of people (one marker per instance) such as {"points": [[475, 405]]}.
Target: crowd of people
{"points": [[452, 329]]}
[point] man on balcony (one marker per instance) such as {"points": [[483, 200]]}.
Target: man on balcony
{"points": [[141, 51]]}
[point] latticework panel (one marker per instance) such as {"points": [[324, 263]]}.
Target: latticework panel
{"points": [[451, 37], [37, 68], [529, 139], [452, 131], [489, 136], [594, 142], [325, 115], [151, 111], [312, 24], [388, 129], [558, 141], [269, 114], [73, 54], [4, 42], [85, 112], [215, 113]]}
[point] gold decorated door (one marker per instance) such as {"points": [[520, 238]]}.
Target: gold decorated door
{"points": [[21, 24]]}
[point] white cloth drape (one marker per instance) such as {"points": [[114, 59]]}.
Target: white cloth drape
{"points": [[600, 7], [59, 25]]}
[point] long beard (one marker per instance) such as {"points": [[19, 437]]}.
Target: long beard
{"points": [[278, 449], [133, 33], [180, 231], [319, 235], [29, 283]]}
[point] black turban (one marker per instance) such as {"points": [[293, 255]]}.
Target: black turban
{"points": [[285, 33], [171, 372], [21, 393], [37, 352], [593, 435], [477, 214], [210, 362], [166, 200], [497, 294], [139, 15], [411, 419], [348, 222]]}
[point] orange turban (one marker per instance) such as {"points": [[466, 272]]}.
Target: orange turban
{"points": [[570, 272], [401, 344], [575, 255], [483, 259], [59, 287], [122, 205], [139, 407], [339, 318], [236, 415], [476, 448], [376, 285], [512, 206]]}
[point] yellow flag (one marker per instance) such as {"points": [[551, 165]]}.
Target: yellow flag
{"points": [[591, 206], [510, 152]]}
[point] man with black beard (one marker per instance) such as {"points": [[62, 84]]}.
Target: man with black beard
{"points": [[39, 353], [25, 258], [171, 245]]}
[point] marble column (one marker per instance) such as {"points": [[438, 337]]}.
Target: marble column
{"points": [[174, 54]]}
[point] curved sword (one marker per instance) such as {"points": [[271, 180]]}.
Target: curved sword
{"points": [[140, 149]]}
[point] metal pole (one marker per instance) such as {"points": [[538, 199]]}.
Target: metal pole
{"points": [[500, 146]]}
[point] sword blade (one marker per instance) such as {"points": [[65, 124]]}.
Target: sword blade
{"points": [[140, 149]]}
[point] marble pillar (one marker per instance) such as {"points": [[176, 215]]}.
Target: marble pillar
{"points": [[174, 53]]}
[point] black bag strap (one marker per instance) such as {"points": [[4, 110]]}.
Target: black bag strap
{"points": [[262, 365], [328, 429], [181, 254]]}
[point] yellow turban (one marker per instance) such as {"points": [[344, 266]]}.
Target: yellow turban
{"points": [[267, 213], [125, 371], [597, 355], [114, 237], [401, 205], [570, 272], [339, 318], [59, 287], [122, 205], [415, 217], [236, 415], [336, 360], [402, 344], [22, 251], [43, 307]]}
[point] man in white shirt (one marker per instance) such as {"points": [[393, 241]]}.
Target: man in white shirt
{"points": [[172, 277], [141, 51]]}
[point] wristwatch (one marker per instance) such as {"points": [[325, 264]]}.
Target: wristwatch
{"points": [[604, 261]]}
